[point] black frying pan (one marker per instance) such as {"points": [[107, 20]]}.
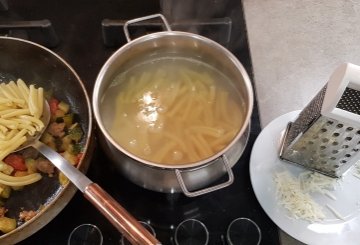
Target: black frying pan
{"points": [[37, 65]]}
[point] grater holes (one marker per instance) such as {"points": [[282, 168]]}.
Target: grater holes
{"points": [[336, 166], [347, 155], [325, 140], [349, 101], [329, 123], [323, 130], [311, 142], [345, 146], [349, 129], [343, 161], [348, 138], [340, 125], [335, 152], [358, 132], [336, 134], [322, 147], [333, 158], [355, 150], [323, 162], [335, 143]]}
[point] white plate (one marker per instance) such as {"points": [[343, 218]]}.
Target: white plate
{"points": [[264, 162]]}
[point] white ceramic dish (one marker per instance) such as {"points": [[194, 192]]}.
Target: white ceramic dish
{"points": [[264, 162]]}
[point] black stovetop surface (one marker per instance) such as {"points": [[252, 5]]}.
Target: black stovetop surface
{"points": [[78, 26]]}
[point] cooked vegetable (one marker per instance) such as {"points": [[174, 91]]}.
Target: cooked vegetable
{"points": [[64, 107], [7, 224], [75, 132], [68, 119], [63, 179], [49, 140], [31, 165], [70, 157], [16, 161], [5, 191]]}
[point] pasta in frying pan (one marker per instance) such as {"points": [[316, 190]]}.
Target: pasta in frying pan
{"points": [[20, 110], [172, 111]]}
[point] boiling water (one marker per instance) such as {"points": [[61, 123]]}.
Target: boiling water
{"points": [[172, 111]]}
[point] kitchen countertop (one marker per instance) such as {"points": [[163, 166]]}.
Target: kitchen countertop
{"points": [[295, 45]]}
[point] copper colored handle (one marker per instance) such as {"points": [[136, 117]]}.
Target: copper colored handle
{"points": [[118, 216]]}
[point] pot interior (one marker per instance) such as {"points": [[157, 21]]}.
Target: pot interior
{"points": [[170, 47]]}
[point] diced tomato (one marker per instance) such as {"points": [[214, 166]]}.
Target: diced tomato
{"points": [[54, 105], [16, 161]]}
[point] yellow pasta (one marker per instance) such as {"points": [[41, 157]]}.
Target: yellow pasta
{"points": [[13, 140], [19, 181], [3, 129], [9, 149], [24, 90], [207, 131], [21, 107], [172, 111], [14, 112], [40, 101], [11, 134]]}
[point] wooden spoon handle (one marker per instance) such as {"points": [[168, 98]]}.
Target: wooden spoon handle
{"points": [[118, 216]]}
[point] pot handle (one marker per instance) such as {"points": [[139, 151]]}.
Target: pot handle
{"points": [[153, 16], [208, 189]]}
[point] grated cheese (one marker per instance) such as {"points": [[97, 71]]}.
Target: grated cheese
{"points": [[298, 202]]}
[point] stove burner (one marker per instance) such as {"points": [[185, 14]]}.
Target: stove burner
{"points": [[217, 29], [40, 31]]}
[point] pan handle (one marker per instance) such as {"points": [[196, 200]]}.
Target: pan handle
{"points": [[119, 217], [208, 189], [153, 16]]}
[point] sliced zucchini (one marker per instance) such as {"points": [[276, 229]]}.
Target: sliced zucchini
{"points": [[70, 157], [7, 224], [5, 191], [49, 140], [75, 132], [31, 165], [63, 179], [64, 107], [68, 119]]}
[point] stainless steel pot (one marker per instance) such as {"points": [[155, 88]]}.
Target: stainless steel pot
{"points": [[176, 178]]}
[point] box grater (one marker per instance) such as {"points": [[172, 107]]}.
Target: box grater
{"points": [[325, 137]]}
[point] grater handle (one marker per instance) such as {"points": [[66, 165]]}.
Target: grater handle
{"points": [[346, 76]]}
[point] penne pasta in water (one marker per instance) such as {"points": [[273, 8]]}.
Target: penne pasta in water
{"points": [[172, 111]]}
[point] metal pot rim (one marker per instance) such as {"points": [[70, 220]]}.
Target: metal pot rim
{"points": [[99, 79]]}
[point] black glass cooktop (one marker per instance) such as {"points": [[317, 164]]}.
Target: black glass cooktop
{"points": [[78, 26]]}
